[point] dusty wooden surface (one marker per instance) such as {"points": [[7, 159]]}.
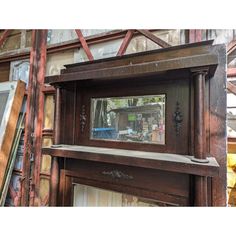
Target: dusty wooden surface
{"points": [[163, 161]]}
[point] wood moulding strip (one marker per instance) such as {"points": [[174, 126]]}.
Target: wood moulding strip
{"points": [[128, 71]]}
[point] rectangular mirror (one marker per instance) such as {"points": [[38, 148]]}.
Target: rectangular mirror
{"points": [[129, 119]]}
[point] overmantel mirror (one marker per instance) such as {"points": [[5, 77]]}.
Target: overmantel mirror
{"points": [[141, 129]]}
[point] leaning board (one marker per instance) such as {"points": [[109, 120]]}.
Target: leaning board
{"points": [[11, 97]]}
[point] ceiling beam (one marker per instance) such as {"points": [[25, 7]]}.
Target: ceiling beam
{"points": [[125, 42], [84, 44], [231, 87], [231, 72], [69, 45], [231, 51], [154, 38]]}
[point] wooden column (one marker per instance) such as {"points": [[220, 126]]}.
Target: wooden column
{"points": [[54, 184], [200, 135]]}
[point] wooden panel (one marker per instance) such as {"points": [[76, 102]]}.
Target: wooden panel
{"points": [[176, 89], [68, 108], [160, 181], [4, 72], [44, 189], [231, 147], [158, 186], [49, 106], [10, 128]]}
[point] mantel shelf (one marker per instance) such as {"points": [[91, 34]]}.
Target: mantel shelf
{"points": [[153, 160]]}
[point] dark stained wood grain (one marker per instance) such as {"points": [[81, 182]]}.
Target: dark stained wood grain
{"points": [[144, 183], [156, 85], [162, 161], [141, 57], [140, 69], [201, 134]]}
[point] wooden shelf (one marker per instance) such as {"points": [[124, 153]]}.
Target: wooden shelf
{"points": [[153, 160]]}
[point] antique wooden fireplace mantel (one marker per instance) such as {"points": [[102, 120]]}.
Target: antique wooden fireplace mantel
{"points": [[149, 124]]}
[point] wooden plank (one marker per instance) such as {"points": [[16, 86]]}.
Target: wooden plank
{"points": [[231, 147], [154, 38], [84, 44], [8, 136], [125, 42], [4, 72], [4, 36], [162, 161], [12, 159]]}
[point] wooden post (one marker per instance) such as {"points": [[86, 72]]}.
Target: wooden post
{"points": [[54, 184], [29, 125], [39, 111], [200, 135], [34, 116]]}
